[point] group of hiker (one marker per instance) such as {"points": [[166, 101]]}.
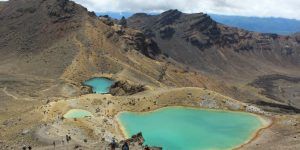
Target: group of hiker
{"points": [[125, 146], [68, 139], [26, 147], [113, 144]]}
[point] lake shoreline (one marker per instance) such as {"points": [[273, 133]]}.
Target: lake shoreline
{"points": [[257, 133], [95, 89], [266, 122]]}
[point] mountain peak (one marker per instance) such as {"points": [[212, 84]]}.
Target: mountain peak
{"points": [[31, 26], [140, 15], [53, 8], [188, 24], [169, 17], [171, 11]]}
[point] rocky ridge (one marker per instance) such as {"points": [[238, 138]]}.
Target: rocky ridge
{"points": [[196, 40]]}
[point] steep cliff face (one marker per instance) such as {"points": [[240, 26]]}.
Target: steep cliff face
{"points": [[198, 41]]}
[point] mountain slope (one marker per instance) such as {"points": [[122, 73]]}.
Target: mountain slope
{"points": [[49, 47], [61, 40], [32, 35], [204, 42], [232, 55]]}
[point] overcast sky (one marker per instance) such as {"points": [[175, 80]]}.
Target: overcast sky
{"points": [[260, 8]]}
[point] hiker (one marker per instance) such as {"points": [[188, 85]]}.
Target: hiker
{"points": [[67, 138], [113, 144], [125, 146], [24, 147], [63, 142], [146, 148], [54, 144]]}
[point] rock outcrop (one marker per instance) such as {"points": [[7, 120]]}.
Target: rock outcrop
{"points": [[121, 88], [136, 40], [137, 141]]}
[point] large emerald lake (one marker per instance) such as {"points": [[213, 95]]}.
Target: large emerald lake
{"points": [[182, 128]]}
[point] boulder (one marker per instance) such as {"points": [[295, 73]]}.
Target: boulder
{"points": [[25, 131]]}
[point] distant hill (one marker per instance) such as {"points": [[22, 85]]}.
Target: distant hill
{"points": [[115, 15], [281, 26]]}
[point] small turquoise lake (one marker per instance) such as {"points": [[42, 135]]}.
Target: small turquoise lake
{"points": [[183, 128], [99, 85], [77, 113]]}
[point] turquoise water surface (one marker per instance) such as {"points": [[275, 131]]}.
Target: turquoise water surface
{"points": [[181, 128], [77, 113], [99, 85]]}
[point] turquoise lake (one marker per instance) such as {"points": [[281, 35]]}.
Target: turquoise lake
{"points": [[99, 85], [77, 113], [182, 128]]}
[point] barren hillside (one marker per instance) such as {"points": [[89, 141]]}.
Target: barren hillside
{"points": [[233, 55], [48, 48]]}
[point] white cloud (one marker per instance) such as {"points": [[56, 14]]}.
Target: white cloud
{"points": [[260, 8]]}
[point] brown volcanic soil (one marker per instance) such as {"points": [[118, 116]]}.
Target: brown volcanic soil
{"points": [[280, 88], [37, 39], [49, 47]]}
